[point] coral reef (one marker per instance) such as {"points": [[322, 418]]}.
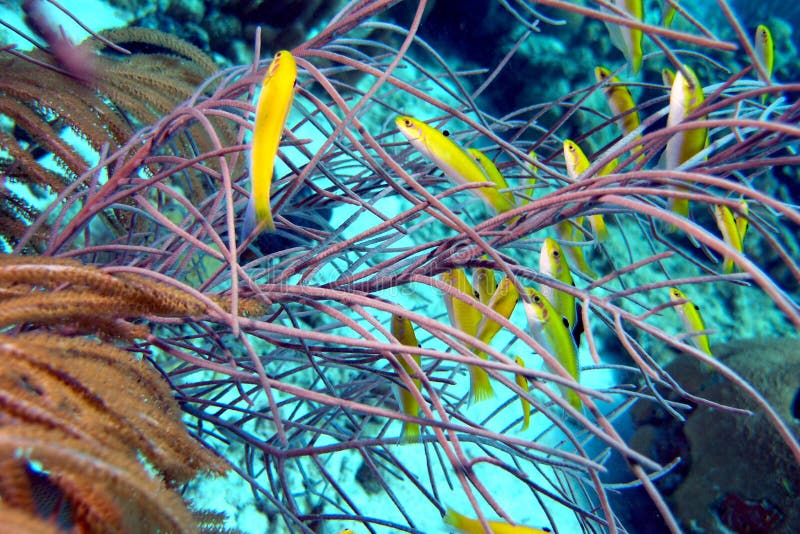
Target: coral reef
{"points": [[736, 470]]}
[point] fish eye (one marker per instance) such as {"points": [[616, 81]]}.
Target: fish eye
{"points": [[536, 299], [555, 254], [446, 133], [696, 307], [407, 123]]}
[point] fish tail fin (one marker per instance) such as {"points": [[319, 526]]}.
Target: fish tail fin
{"points": [[599, 227], [480, 387], [253, 220], [410, 432]]}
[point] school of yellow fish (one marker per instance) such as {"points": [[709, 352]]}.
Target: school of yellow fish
{"points": [[551, 310]]}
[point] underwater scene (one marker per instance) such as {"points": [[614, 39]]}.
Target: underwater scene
{"points": [[381, 266]]}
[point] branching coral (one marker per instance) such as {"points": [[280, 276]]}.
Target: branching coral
{"points": [[301, 388]]}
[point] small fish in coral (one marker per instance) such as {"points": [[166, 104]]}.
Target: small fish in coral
{"points": [[466, 317], [626, 38], [403, 330], [554, 264], [485, 284], [522, 382], [619, 100], [551, 331], [727, 224], [686, 95], [765, 48], [456, 163], [577, 163], [689, 313], [467, 525], [272, 109], [494, 174]]}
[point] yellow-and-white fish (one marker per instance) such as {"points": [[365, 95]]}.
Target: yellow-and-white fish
{"points": [[577, 163], [689, 313], [466, 317], [467, 525], [686, 95], [551, 331], [619, 100], [726, 223], [272, 109], [522, 382], [403, 330], [494, 174], [627, 39], [484, 283], [553, 263], [765, 48], [456, 163]]}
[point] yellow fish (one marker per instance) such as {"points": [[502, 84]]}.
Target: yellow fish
{"points": [[619, 100], [765, 52], [454, 161], [522, 382], [553, 263], [765, 48], [685, 96], [627, 39], [550, 330], [468, 525], [485, 284], [403, 330], [577, 163], [503, 301], [274, 102], [689, 313], [494, 174], [466, 318], [726, 223], [534, 174]]}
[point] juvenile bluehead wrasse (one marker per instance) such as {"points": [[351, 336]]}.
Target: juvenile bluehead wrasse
{"points": [[689, 313], [685, 96], [568, 231], [468, 525], [403, 330], [534, 174], [466, 318], [553, 263], [742, 223], [765, 52], [522, 382], [730, 233], [503, 301], [463, 316], [765, 48], [347, 531], [627, 39], [551, 331], [577, 163], [494, 174], [274, 102], [453, 160], [485, 284], [619, 100]]}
